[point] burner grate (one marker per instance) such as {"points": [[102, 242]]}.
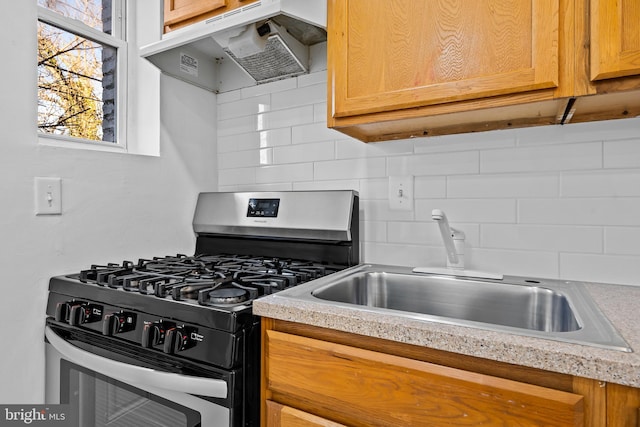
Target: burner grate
{"points": [[210, 280]]}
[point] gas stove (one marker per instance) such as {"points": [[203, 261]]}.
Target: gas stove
{"points": [[191, 315]]}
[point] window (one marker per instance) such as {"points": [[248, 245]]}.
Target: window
{"points": [[82, 59]]}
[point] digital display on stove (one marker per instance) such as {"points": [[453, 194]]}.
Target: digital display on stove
{"points": [[263, 208]]}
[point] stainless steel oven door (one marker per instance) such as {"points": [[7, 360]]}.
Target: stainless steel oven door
{"points": [[111, 393]]}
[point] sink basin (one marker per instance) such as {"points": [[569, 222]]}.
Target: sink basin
{"points": [[527, 307], [545, 308]]}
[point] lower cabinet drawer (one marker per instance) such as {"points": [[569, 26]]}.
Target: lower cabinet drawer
{"points": [[358, 387], [284, 416]]}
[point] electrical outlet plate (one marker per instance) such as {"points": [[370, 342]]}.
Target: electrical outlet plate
{"points": [[401, 193], [48, 193]]}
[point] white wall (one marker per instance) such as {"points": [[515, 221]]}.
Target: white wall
{"points": [[557, 201], [116, 206]]}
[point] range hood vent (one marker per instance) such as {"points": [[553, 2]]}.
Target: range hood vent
{"points": [[269, 40], [266, 52]]}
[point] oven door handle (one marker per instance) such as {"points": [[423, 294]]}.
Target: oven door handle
{"points": [[137, 375]]}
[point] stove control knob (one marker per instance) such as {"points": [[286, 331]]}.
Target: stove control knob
{"points": [[84, 313], [177, 339], [153, 333], [115, 323], [63, 310]]}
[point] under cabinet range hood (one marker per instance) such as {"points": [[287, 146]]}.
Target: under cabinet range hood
{"points": [[268, 39]]}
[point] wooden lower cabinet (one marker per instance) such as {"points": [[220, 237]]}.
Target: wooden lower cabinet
{"points": [[318, 377]]}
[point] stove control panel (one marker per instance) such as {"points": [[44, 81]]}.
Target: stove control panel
{"points": [[161, 335], [263, 208]]}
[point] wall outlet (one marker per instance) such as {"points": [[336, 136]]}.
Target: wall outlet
{"points": [[48, 192], [401, 193]]}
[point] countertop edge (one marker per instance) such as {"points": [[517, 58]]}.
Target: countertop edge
{"points": [[615, 301]]}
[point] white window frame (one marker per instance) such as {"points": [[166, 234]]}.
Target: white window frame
{"points": [[116, 40]]}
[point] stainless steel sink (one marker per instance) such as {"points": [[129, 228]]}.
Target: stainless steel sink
{"points": [[527, 307], [552, 309]]}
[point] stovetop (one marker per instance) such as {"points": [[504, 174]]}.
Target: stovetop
{"points": [[222, 281], [215, 291]]}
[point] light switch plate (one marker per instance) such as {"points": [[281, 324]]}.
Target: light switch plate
{"points": [[48, 193], [401, 193]]}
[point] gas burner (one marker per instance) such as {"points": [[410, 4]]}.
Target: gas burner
{"points": [[228, 296]]}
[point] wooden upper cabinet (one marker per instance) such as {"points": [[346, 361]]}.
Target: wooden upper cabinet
{"points": [[180, 13], [386, 56], [180, 10], [615, 38]]}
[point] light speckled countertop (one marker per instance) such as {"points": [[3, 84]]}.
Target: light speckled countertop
{"points": [[620, 304]]}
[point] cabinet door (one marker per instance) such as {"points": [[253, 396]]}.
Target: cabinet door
{"points": [[360, 387], [623, 406], [180, 10], [615, 38], [386, 56], [284, 416]]}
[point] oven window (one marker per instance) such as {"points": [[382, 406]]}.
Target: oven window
{"points": [[104, 402]]}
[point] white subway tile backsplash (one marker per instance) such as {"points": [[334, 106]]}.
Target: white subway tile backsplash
{"points": [[320, 116], [243, 159], [407, 255], [279, 186], [244, 107], [274, 137], [468, 210], [352, 168], [428, 233], [514, 262], [285, 118], [579, 132], [313, 79], [507, 185], [302, 96], [238, 176], [606, 183], [376, 188], [584, 211], [304, 152], [373, 231], [238, 142], [434, 164], [542, 237], [284, 173], [347, 184], [379, 210], [622, 154], [544, 158], [601, 268], [238, 125], [352, 148], [224, 97], [622, 240], [552, 201], [269, 88], [430, 187], [313, 132], [466, 142]]}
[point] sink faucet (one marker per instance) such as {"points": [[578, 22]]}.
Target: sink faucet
{"points": [[453, 240], [454, 243]]}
